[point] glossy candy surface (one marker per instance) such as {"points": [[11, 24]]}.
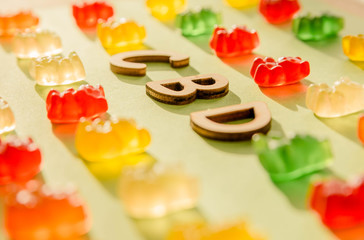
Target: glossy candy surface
{"points": [[242, 3], [39, 212], [166, 10], [120, 34], [88, 14], [318, 28], [7, 120], [12, 24], [288, 159], [57, 70], [195, 23], [287, 70], [107, 140], [353, 47], [278, 11], [72, 105], [339, 204], [40, 43], [199, 231], [343, 98], [156, 191], [20, 160], [238, 41]]}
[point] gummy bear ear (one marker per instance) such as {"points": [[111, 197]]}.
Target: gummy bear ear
{"points": [[185, 90], [212, 123], [131, 63]]}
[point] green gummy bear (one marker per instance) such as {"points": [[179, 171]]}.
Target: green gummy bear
{"points": [[288, 159], [198, 23], [319, 28]]}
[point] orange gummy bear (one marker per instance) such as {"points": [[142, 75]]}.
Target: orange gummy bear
{"points": [[11, 24]]}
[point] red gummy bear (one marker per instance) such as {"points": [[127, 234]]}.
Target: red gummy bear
{"points": [[239, 41], [88, 14], [361, 129], [288, 70], [279, 11], [37, 212], [339, 204], [70, 106], [20, 160]]}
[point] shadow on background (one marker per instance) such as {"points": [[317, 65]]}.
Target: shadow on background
{"points": [[157, 229], [331, 46], [24, 65], [241, 147], [201, 104], [44, 90], [242, 64], [202, 42], [355, 233], [289, 96], [297, 190], [347, 126], [359, 64]]}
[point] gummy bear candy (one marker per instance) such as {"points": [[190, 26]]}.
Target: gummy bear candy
{"points": [[40, 43], [288, 159], [12, 24], [361, 129], [353, 47], [199, 231], [72, 105], [20, 160], [242, 3], [287, 70], [195, 23], [278, 11], [309, 28], [88, 14], [57, 70], [39, 212], [339, 204], [239, 41], [123, 33], [113, 139], [166, 10], [343, 98], [149, 192], [7, 120]]}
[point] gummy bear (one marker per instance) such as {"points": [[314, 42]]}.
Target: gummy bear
{"points": [[287, 70], [339, 204], [113, 139], [288, 159], [12, 24], [149, 192], [88, 14], [7, 120], [242, 3], [278, 11], [239, 41], [72, 105], [353, 47], [120, 34], [195, 23], [57, 70], [20, 160], [199, 231], [39, 212], [166, 10], [309, 28], [40, 43], [343, 98], [361, 129]]}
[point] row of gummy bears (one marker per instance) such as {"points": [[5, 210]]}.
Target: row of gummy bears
{"points": [[155, 190]]}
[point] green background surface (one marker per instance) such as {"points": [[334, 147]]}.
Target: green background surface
{"points": [[233, 184]]}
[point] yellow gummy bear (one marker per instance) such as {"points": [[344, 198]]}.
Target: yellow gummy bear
{"points": [[166, 10], [242, 3], [353, 47], [124, 34], [113, 139], [198, 231]]}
